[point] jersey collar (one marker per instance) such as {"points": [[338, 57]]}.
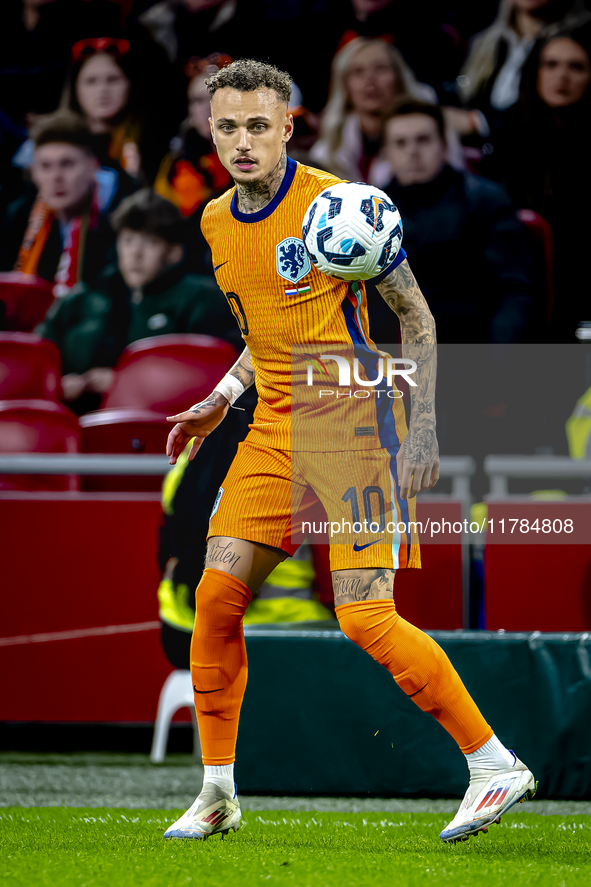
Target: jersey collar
{"points": [[270, 207]]}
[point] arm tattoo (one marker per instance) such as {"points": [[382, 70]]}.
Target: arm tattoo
{"points": [[401, 292], [213, 399], [350, 586], [243, 369], [253, 196]]}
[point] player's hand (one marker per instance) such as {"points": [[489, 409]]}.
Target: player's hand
{"points": [[196, 423], [418, 462]]}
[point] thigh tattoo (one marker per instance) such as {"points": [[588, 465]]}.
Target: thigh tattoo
{"points": [[222, 555], [350, 586]]}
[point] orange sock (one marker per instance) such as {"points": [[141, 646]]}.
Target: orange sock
{"points": [[218, 662], [419, 666]]}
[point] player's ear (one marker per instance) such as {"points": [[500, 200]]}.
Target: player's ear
{"points": [[288, 127], [211, 129]]}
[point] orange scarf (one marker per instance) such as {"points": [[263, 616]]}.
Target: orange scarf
{"points": [[69, 270]]}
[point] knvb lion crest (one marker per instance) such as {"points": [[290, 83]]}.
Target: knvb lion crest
{"points": [[293, 261]]}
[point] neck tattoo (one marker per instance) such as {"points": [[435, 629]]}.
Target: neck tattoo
{"points": [[254, 196]]}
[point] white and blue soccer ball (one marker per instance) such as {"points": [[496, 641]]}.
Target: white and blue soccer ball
{"points": [[352, 231]]}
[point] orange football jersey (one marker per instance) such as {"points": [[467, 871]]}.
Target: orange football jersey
{"points": [[293, 318]]}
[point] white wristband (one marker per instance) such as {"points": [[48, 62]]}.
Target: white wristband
{"points": [[230, 387]]}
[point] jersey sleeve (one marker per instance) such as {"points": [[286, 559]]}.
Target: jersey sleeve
{"points": [[207, 220]]}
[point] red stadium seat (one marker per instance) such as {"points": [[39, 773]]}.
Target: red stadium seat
{"points": [[37, 426], [542, 247], [30, 367], [24, 300], [167, 374], [123, 431]]}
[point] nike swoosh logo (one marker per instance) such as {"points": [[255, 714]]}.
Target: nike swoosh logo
{"points": [[361, 547], [219, 266], [207, 691]]}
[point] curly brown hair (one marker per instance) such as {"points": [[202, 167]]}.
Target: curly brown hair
{"points": [[247, 75]]}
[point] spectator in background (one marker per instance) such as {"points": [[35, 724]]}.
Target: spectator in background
{"points": [[100, 88], [446, 212], [368, 77], [490, 77], [191, 173], [542, 156], [60, 231], [147, 293]]}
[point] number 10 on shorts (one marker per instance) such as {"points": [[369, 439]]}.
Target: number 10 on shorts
{"points": [[369, 524]]}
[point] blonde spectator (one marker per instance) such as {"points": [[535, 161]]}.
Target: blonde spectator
{"points": [[368, 77]]}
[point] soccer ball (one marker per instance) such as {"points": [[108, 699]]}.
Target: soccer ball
{"points": [[352, 231]]}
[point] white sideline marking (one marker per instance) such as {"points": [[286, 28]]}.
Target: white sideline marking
{"points": [[77, 633]]}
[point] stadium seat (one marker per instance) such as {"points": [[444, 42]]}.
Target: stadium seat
{"points": [[37, 426], [24, 299], [167, 374], [542, 247], [176, 693], [123, 431], [30, 367]]}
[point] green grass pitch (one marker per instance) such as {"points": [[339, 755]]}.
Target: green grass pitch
{"points": [[43, 846]]}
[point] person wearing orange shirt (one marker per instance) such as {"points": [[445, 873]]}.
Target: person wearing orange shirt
{"points": [[192, 172], [329, 451]]}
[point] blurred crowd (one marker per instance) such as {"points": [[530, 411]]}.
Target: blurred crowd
{"points": [[472, 117]]}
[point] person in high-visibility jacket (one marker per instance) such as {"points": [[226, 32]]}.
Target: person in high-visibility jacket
{"points": [[578, 428], [188, 496]]}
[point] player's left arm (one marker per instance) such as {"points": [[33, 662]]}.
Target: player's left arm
{"points": [[418, 457]]}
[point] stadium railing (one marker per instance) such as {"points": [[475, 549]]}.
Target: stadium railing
{"points": [[424, 597], [501, 468], [84, 464], [457, 468]]}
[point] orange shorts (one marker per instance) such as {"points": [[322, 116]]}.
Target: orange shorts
{"points": [[349, 499]]}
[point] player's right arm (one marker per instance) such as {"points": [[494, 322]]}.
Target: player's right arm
{"points": [[204, 417]]}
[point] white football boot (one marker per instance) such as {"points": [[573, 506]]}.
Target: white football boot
{"points": [[490, 794], [214, 812]]}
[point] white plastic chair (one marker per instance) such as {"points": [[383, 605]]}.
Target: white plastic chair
{"points": [[177, 692]]}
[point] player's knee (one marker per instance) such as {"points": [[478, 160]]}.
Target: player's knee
{"points": [[220, 606], [361, 622]]}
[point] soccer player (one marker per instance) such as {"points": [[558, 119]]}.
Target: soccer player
{"points": [[251, 230]]}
